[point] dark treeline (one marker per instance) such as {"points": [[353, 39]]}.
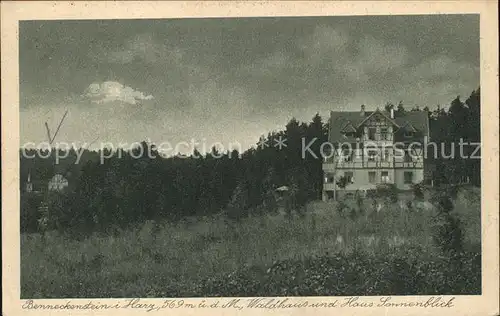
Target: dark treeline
{"points": [[126, 190], [462, 121]]}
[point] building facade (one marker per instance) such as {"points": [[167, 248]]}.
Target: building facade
{"points": [[58, 183], [373, 148]]}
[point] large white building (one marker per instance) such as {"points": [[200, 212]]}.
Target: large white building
{"points": [[374, 147]]}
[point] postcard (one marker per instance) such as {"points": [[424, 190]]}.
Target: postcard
{"points": [[238, 158]]}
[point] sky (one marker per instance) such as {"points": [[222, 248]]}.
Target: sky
{"points": [[232, 80]]}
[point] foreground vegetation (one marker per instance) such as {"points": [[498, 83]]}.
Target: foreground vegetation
{"points": [[326, 250]]}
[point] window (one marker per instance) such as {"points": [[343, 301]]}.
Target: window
{"points": [[347, 154], [371, 133], [385, 177], [408, 177], [409, 134], [386, 155], [349, 176], [372, 177], [349, 134], [384, 133], [371, 155], [329, 178], [407, 157]]}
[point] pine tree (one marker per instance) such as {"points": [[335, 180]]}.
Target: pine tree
{"points": [[268, 185], [238, 206]]}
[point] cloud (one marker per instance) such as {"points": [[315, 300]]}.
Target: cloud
{"points": [[269, 65], [377, 56], [110, 91], [330, 51], [442, 66], [325, 42]]}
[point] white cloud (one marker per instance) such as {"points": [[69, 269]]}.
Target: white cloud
{"points": [[110, 91]]}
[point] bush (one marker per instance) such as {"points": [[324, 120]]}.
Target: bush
{"points": [[388, 192], [341, 207], [448, 234], [360, 202], [418, 191], [356, 273]]}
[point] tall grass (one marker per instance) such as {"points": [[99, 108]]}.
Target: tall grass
{"points": [[153, 256]]}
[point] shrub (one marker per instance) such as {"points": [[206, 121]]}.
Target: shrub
{"points": [[353, 214], [418, 191], [448, 234], [341, 207], [356, 273], [238, 206], [270, 204], [388, 192], [343, 182], [359, 202]]}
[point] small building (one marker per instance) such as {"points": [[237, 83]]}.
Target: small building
{"points": [[281, 191], [58, 183], [29, 184], [34, 186]]}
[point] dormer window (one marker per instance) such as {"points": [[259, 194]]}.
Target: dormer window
{"points": [[349, 134], [409, 131], [409, 134], [349, 130]]}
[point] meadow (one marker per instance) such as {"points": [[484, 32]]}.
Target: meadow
{"points": [[387, 251]]}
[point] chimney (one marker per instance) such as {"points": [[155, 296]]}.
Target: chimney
{"points": [[392, 113], [362, 113]]}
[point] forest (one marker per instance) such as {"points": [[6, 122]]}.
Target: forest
{"points": [[125, 190]]}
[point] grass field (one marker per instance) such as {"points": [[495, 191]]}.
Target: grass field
{"points": [[321, 253]]}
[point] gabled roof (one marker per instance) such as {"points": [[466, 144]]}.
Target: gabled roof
{"points": [[349, 128], [384, 113], [418, 120], [408, 127], [340, 119]]}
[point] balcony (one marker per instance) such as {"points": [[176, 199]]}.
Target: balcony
{"points": [[329, 166], [378, 164], [329, 186], [410, 165]]}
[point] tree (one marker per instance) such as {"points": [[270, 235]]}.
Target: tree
{"points": [[29, 211], [343, 182], [400, 109], [238, 206], [292, 199], [268, 185], [418, 191]]}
